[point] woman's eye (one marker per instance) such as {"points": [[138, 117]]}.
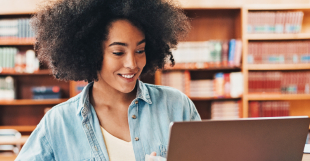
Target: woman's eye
{"points": [[140, 51], [118, 53]]}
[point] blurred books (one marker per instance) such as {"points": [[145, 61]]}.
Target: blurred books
{"points": [[46, 92], [279, 82], [205, 54], [7, 90], [288, 52], [15, 29], [269, 108], [275, 22], [12, 60], [223, 85], [225, 110]]}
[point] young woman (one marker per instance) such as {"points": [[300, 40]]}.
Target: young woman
{"points": [[108, 43]]}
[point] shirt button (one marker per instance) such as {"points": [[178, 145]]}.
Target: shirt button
{"points": [[134, 116], [136, 138], [136, 102]]}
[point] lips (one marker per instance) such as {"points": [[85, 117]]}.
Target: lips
{"points": [[129, 77]]}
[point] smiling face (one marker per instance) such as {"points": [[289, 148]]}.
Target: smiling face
{"points": [[123, 56]]}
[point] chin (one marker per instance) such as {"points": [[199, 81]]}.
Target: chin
{"points": [[127, 89]]}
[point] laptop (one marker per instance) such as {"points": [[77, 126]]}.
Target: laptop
{"points": [[249, 139]]}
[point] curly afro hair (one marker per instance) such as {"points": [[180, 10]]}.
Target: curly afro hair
{"points": [[69, 33]]}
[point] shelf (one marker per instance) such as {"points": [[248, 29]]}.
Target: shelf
{"points": [[32, 102], [7, 156], [263, 36], [278, 66], [277, 6], [20, 128], [40, 72], [15, 41], [265, 97], [212, 98], [196, 66]]}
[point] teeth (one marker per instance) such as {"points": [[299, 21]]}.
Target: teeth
{"points": [[128, 76]]}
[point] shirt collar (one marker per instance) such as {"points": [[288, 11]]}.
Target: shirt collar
{"points": [[142, 93]]}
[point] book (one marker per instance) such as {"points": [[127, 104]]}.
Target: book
{"points": [[268, 108], [232, 51], [219, 87], [17, 29], [225, 110], [7, 88], [279, 82], [275, 21], [45, 90], [288, 52], [206, 54], [12, 60]]}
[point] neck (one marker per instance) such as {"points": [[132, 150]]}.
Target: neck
{"points": [[103, 95]]}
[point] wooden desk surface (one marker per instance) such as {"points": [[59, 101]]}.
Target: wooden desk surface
{"points": [[11, 157], [11, 140]]}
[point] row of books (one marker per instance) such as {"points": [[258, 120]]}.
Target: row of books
{"points": [[15, 28], [223, 85], [269, 108], [275, 22], [79, 86], [13, 60], [287, 52], [225, 110], [46, 92], [280, 82], [205, 54], [7, 91]]}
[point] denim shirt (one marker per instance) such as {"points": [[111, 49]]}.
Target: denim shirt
{"points": [[71, 130]]}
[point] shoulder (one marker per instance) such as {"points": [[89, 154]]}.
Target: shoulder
{"points": [[68, 107], [159, 90], [175, 102]]}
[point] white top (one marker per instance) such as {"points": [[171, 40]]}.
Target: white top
{"points": [[118, 150]]}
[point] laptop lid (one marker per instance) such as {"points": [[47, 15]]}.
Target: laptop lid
{"points": [[249, 139]]}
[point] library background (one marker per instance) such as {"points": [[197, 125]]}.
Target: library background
{"points": [[242, 59]]}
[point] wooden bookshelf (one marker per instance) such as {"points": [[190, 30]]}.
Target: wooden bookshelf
{"points": [[20, 128], [268, 97], [205, 69], [279, 66], [304, 99], [7, 156], [296, 36], [31, 102], [212, 98], [16, 42], [277, 6], [40, 72], [210, 20]]}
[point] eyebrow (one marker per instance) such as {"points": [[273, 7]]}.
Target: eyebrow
{"points": [[124, 44]]}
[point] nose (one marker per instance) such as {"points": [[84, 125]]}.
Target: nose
{"points": [[130, 61]]}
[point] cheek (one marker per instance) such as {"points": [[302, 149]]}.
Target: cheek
{"points": [[109, 65], [142, 62]]}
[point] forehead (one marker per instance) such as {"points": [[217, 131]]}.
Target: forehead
{"points": [[124, 30]]}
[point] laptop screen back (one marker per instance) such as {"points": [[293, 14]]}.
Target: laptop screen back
{"points": [[258, 139]]}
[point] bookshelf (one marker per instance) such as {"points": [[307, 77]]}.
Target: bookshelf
{"points": [[211, 20], [203, 21], [298, 102]]}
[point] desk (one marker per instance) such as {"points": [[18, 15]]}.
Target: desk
{"points": [[11, 157]]}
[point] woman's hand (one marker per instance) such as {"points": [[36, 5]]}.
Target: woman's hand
{"points": [[153, 154]]}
